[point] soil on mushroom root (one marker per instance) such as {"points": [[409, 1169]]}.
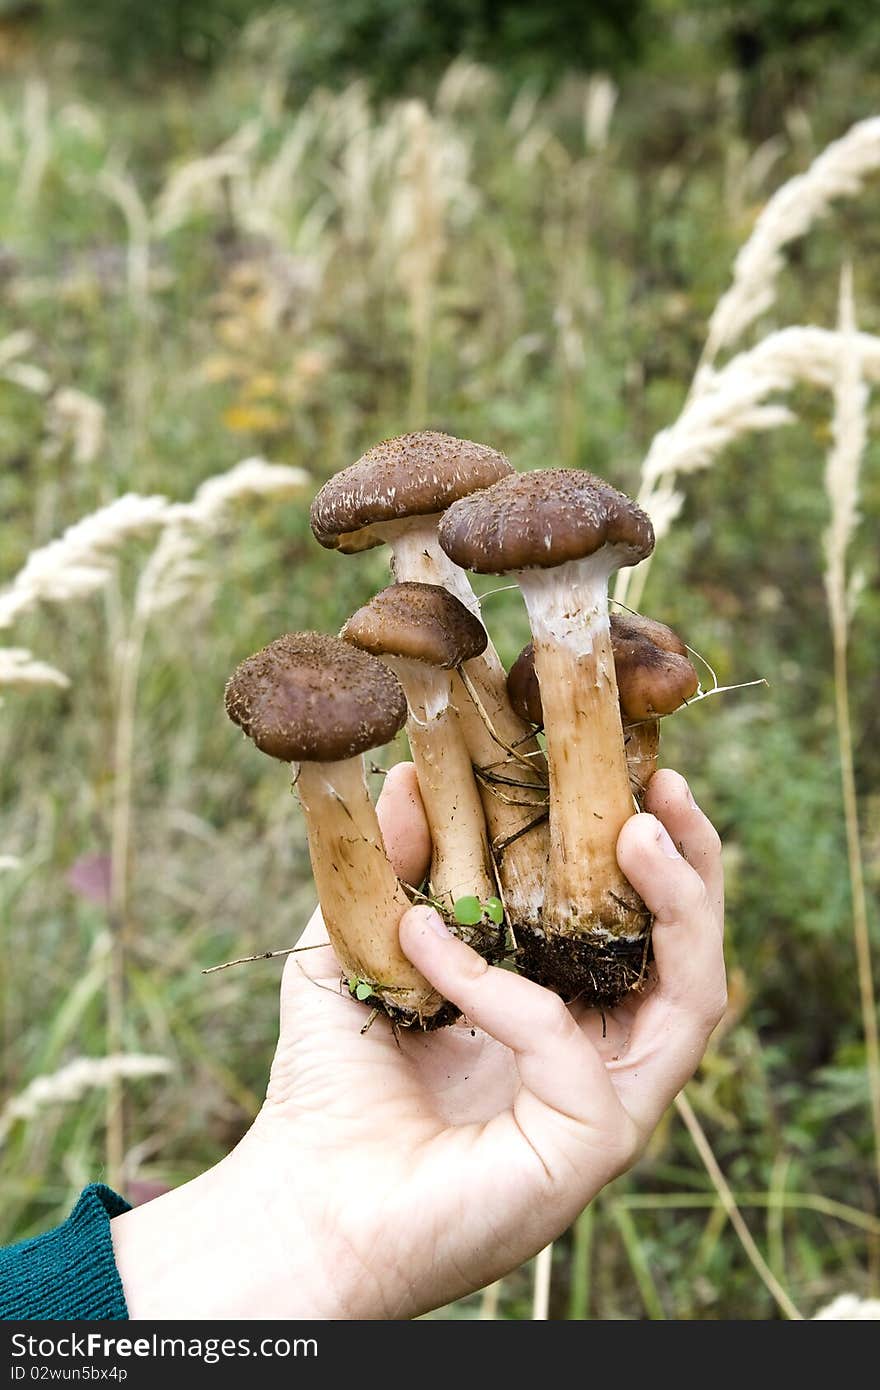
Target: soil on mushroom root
{"points": [[408, 1020], [598, 970]]}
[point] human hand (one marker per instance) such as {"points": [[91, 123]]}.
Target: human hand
{"points": [[386, 1175]]}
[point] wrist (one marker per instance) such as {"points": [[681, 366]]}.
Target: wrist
{"points": [[220, 1246]]}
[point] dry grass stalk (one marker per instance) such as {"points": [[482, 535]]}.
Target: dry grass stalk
{"points": [[122, 190], [849, 434], [839, 171], [76, 420], [733, 402], [18, 667], [27, 375], [465, 86], [80, 561], [37, 135], [74, 1081], [170, 574], [173, 569], [728, 1202], [600, 99], [541, 1290], [431, 184], [724, 405]]}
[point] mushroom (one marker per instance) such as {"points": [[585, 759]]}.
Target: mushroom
{"points": [[396, 493], [654, 678], [563, 533], [316, 701], [423, 633]]}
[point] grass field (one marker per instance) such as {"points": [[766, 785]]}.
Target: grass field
{"points": [[207, 275]]}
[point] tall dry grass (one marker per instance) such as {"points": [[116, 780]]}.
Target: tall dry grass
{"points": [[842, 473]]}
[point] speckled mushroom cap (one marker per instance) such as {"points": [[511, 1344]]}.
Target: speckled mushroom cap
{"points": [[423, 622], [411, 475], [654, 675], [308, 697], [542, 519]]}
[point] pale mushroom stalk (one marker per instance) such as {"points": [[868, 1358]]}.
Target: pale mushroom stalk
{"points": [[590, 794], [561, 533], [516, 816], [422, 632], [361, 898], [461, 864]]}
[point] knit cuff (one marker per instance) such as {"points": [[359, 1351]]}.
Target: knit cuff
{"points": [[69, 1274]]}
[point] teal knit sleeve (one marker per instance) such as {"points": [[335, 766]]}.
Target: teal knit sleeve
{"points": [[68, 1274]]}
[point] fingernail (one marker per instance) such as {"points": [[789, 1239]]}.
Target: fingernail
{"points": [[690, 798], [427, 917], [666, 844]]}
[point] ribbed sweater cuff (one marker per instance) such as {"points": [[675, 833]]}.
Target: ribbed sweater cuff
{"points": [[69, 1273]]}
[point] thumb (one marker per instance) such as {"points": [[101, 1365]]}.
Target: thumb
{"points": [[404, 825]]}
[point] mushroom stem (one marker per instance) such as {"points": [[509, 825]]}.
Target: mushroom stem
{"points": [[461, 864], [362, 900], [522, 864], [517, 823], [418, 558], [590, 795]]}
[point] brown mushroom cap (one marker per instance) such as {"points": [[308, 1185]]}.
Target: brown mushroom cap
{"points": [[654, 675], [423, 622], [523, 689], [411, 475], [307, 697], [542, 519], [636, 627]]}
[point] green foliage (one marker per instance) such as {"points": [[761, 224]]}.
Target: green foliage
{"points": [[128, 35], [398, 43], [759, 27]]}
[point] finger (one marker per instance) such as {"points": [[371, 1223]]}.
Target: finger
{"points": [[685, 939], [557, 1063], [404, 824], [670, 799], [674, 1022]]}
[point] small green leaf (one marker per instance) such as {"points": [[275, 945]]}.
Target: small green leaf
{"points": [[468, 911], [363, 990], [494, 909], [352, 983]]}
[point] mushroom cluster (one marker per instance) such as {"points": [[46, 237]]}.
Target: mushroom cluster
{"points": [[526, 777]]}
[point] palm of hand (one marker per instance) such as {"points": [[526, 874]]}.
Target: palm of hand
{"points": [[458, 1075], [419, 1135], [426, 1165]]}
